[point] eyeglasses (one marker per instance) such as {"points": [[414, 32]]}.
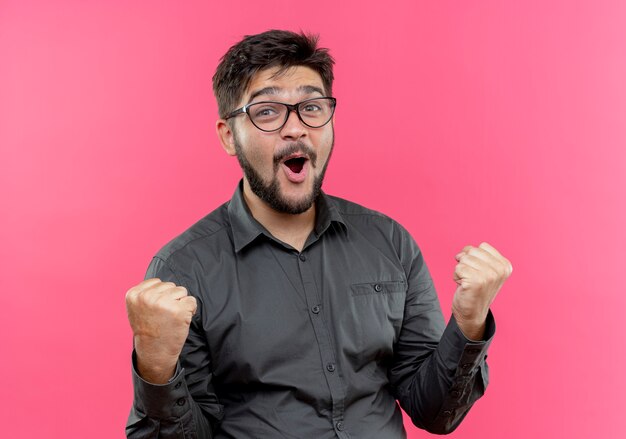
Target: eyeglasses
{"points": [[271, 116]]}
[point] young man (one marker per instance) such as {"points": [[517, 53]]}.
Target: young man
{"points": [[288, 313]]}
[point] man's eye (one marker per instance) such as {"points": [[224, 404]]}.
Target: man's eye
{"points": [[265, 112], [310, 108]]}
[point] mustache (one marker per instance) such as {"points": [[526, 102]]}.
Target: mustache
{"points": [[293, 148]]}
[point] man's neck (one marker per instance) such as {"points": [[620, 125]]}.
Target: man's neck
{"points": [[292, 229]]}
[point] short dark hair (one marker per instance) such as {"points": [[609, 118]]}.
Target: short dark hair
{"points": [[273, 48]]}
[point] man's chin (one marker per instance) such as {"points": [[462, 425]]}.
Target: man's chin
{"points": [[298, 197], [283, 196], [293, 205]]}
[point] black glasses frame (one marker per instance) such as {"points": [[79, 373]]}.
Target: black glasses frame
{"points": [[290, 107]]}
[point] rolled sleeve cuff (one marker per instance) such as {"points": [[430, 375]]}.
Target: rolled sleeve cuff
{"points": [[462, 354], [464, 360], [161, 401]]}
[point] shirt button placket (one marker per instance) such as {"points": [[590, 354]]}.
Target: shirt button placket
{"points": [[335, 382]]}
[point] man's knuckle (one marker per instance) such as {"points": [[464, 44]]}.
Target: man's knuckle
{"points": [[505, 269], [158, 299], [152, 299], [499, 266], [495, 272], [508, 267], [131, 294]]}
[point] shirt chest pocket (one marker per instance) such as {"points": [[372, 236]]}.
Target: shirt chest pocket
{"points": [[377, 310]]}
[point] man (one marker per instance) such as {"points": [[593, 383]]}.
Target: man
{"points": [[288, 313]]}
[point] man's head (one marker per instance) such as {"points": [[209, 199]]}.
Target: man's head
{"points": [[274, 48], [283, 165]]}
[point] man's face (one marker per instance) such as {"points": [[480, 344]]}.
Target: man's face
{"points": [[284, 168]]}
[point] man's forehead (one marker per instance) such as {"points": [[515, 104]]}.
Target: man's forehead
{"points": [[298, 80]]}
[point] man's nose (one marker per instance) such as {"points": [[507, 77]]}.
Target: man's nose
{"points": [[293, 128]]}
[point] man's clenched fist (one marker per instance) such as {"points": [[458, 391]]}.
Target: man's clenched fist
{"points": [[159, 314], [480, 273]]}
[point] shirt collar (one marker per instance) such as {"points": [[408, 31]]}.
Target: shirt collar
{"points": [[246, 229]]}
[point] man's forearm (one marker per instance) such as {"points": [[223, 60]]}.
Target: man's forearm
{"points": [[474, 331], [165, 411], [445, 386]]}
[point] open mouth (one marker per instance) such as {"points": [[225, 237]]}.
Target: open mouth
{"points": [[295, 164]]}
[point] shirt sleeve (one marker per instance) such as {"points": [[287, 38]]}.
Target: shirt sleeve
{"points": [[437, 373], [187, 406]]}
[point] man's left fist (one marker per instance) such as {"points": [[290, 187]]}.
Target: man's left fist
{"points": [[480, 273]]}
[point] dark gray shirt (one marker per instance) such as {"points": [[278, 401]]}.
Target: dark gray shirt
{"points": [[312, 344]]}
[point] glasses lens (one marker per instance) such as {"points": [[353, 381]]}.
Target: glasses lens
{"points": [[268, 116], [316, 112], [271, 116]]}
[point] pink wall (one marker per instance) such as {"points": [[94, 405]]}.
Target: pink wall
{"points": [[507, 120]]}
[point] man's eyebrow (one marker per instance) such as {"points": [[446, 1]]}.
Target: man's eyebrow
{"points": [[308, 89], [263, 91]]}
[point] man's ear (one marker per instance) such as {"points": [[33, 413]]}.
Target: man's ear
{"points": [[226, 136]]}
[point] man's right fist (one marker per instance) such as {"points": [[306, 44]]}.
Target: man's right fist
{"points": [[159, 314]]}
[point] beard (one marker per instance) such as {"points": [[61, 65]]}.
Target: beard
{"points": [[270, 192]]}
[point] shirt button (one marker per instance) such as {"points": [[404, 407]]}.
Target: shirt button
{"points": [[177, 385], [339, 425], [181, 401], [378, 288], [447, 413], [315, 309], [302, 257], [330, 367]]}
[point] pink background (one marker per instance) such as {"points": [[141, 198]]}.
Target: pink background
{"points": [[466, 121]]}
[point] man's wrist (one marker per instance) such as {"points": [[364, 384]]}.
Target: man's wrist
{"points": [[153, 367], [155, 375], [160, 401], [472, 329]]}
